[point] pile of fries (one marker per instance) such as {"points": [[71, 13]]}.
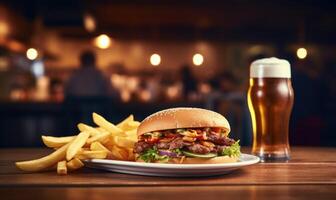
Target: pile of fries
{"points": [[104, 141]]}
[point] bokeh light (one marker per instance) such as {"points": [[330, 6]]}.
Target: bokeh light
{"points": [[155, 59], [4, 29], [31, 54], [301, 53], [103, 41], [198, 59], [89, 23]]}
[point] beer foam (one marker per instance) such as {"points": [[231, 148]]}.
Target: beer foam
{"points": [[270, 67]]}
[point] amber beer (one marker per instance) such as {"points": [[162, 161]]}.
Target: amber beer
{"points": [[270, 101]]}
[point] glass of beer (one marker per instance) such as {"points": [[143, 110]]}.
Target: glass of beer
{"points": [[270, 101]]}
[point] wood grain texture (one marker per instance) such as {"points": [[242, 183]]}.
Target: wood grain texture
{"points": [[168, 193], [308, 166], [311, 174]]}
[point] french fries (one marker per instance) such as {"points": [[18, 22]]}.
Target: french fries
{"points": [[83, 127], [102, 122], [119, 153], [123, 123], [132, 125], [124, 142], [44, 162], [97, 146], [105, 141], [76, 145], [62, 168], [131, 155], [128, 124], [99, 137], [56, 142], [83, 155], [74, 164], [132, 134]]}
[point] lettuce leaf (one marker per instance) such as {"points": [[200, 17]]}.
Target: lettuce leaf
{"points": [[152, 155], [177, 151], [232, 151]]}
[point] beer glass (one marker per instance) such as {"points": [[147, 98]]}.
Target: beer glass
{"points": [[270, 101]]}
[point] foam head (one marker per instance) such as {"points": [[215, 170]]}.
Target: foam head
{"points": [[271, 68]]}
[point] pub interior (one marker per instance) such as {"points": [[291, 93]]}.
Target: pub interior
{"points": [[62, 60]]}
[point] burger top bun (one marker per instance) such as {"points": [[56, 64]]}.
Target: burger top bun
{"points": [[175, 118]]}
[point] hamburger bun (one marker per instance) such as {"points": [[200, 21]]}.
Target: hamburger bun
{"points": [[215, 160], [176, 118]]}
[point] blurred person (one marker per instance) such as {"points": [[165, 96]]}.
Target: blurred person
{"points": [[189, 83], [86, 91], [56, 89], [152, 84], [309, 91], [87, 81], [227, 99], [22, 85], [224, 83]]}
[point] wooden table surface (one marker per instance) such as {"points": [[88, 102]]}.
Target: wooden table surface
{"points": [[311, 174]]}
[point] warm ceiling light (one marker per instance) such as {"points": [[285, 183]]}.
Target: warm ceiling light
{"points": [[4, 29], [103, 41], [155, 59], [301, 53], [31, 54], [89, 23], [198, 59], [15, 45]]}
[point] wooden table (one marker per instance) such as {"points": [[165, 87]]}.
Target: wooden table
{"points": [[311, 174]]}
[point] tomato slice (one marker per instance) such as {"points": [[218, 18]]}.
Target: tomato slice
{"points": [[152, 140]]}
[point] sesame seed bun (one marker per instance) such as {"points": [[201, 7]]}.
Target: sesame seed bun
{"points": [[176, 118]]}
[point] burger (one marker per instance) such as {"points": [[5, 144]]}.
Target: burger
{"points": [[186, 136]]}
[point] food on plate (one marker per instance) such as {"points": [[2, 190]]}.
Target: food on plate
{"points": [[178, 135], [186, 135], [100, 154], [102, 122], [105, 141], [44, 162], [118, 153], [99, 137], [56, 142], [62, 168], [74, 164], [76, 144], [83, 127], [97, 146]]}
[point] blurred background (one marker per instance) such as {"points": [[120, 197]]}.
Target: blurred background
{"points": [[62, 60]]}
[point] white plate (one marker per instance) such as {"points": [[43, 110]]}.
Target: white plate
{"points": [[170, 170]]}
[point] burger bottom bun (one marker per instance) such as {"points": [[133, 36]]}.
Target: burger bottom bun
{"points": [[215, 160]]}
